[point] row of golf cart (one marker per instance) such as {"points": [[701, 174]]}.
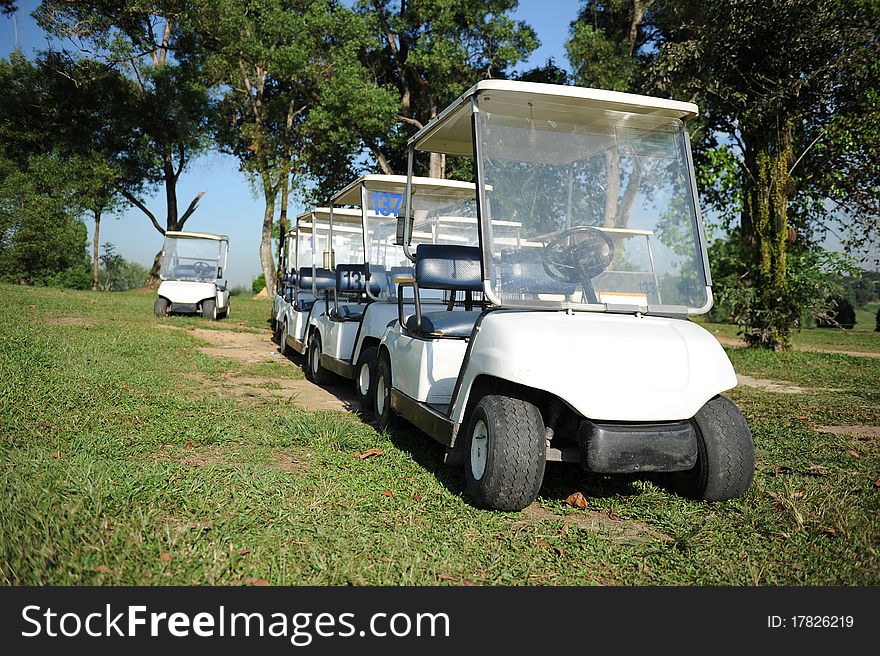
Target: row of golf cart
{"points": [[539, 313]]}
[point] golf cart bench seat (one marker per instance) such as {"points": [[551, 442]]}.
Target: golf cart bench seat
{"points": [[451, 268], [444, 324], [324, 278]]}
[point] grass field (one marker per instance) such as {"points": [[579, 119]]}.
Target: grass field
{"points": [[122, 465]]}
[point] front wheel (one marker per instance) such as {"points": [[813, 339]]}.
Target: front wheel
{"points": [[725, 455], [209, 309], [364, 378], [314, 371], [504, 453], [284, 333], [160, 307], [385, 416]]}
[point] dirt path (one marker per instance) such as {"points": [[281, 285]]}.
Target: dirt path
{"points": [[250, 348], [733, 341]]}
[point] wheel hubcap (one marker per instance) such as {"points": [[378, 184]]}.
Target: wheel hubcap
{"points": [[364, 379], [479, 449], [316, 358]]}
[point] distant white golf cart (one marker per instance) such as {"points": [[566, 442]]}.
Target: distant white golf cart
{"points": [[578, 347], [309, 282], [344, 341], [192, 275]]}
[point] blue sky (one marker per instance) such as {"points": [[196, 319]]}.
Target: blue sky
{"points": [[229, 206]]}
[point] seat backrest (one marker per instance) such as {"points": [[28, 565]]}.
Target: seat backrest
{"points": [[289, 278], [444, 266], [324, 278], [522, 272], [352, 279]]}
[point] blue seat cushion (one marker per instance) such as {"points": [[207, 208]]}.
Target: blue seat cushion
{"points": [[349, 313], [324, 278], [444, 324], [444, 266]]}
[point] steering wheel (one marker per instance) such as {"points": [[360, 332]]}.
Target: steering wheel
{"points": [[578, 254], [201, 268]]}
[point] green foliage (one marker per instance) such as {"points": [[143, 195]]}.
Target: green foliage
{"points": [[258, 284], [41, 241], [118, 274]]}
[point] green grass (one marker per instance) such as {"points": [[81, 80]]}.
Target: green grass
{"points": [[118, 467]]}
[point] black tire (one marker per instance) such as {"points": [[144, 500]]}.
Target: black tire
{"points": [[314, 371], [725, 455], [283, 334], [365, 377], [209, 309], [505, 471], [160, 307], [277, 328], [385, 416]]}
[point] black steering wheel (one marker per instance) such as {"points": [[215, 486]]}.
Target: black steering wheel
{"points": [[202, 268], [578, 254]]}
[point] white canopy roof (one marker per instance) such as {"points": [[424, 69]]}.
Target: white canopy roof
{"points": [[195, 235], [323, 214], [450, 131], [351, 194]]}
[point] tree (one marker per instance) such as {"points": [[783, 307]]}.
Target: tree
{"points": [[431, 52], [162, 110], [288, 69], [777, 79]]}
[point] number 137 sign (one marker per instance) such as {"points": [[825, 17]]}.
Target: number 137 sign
{"points": [[385, 203]]}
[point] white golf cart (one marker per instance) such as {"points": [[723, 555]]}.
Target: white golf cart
{"points": [[285, 283], [192, 275], [345, 340], [579, 348], [310, 283]]}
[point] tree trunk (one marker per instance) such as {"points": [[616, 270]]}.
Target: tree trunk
{"points": [[270, 193], [767, 315], [95, 249]]}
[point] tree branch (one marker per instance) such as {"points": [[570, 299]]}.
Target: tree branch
{"points": [[190, 209], [134, 201], [411, 121]]}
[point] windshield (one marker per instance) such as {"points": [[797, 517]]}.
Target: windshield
{"points": [[440, 216], [190, 258], [604, 211], [348, 239]]}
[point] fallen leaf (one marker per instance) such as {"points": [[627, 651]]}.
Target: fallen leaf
{"points": [[410, 478], [45, 426], [795, 495], [447, 577], [830, 530], [103, 569], [388, 493], [815, 470], [467, 582], [57, 454], [854, 453], [188, 444], [368, 453], [385, 560], [877, 483], [32, 306], [544, 543], [250, 581], [244, 551], [802, 417], [782, 470], [613, 515], [168, 446], [417, 498], [165, 557], [343, 467], [576, 500]]}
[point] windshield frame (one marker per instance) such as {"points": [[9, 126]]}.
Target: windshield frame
{"points": [[222, 254], [486, 236]]}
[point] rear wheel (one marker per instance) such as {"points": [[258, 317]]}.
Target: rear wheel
{"points": [[209, 309], [504, 453], [314, 371], [385, 416], [160, 307], [725, 455], [364, 378]]}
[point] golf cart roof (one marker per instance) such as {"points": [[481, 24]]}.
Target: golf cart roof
{"points": [[450, 131], [195, 235], [351, 194], [323, 214]]}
